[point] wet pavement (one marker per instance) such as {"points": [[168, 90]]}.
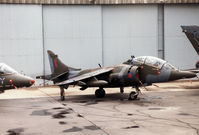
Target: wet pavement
{"points": [[166, 109]]}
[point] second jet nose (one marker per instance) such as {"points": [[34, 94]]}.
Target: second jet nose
{"points": [[24, 81], [32, 81]]}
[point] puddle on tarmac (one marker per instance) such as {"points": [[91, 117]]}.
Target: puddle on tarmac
{"points": [[16, 131], [92, 127], [58, 116], [41, 113], [73, 129], [131, 127], [155, 108], [62, 123]]}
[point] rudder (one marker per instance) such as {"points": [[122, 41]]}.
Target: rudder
{"points": [[57, 67]]}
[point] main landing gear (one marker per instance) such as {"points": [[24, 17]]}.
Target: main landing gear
{"points": [[100, 93], [62, 94], [133, 95]]}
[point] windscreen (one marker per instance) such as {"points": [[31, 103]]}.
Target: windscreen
{"points": [[154, 62]]}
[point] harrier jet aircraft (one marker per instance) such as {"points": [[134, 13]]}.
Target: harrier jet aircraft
{"points": [[9, 78], [137, 72], [192, 33]]}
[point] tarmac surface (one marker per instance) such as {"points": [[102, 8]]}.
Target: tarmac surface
{"points": [[166, 109]]}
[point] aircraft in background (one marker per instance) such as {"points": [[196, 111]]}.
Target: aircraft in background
{"points": [[10, 79], [192, 33], [136, 72]]}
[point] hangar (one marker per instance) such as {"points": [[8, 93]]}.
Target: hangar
{"points": [[87, 32]]}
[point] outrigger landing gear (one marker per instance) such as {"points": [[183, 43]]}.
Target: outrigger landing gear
{"points": [[122, 90], [62, 93], [100, 93], [133, 95]]}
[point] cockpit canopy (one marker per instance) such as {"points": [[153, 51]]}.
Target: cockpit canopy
{"points": [[151, 61], [5, 69]]}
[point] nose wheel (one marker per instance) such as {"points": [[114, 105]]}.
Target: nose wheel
{"points": [[100, 93], [133, 95]]}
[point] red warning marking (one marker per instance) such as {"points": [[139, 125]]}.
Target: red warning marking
{"points": [[137, 75], [55, 62], [158, 72]]}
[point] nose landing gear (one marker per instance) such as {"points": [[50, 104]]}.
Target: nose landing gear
{"points": [[133, 95]]}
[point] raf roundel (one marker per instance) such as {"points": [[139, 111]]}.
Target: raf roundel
{"points": [[130, 75]]}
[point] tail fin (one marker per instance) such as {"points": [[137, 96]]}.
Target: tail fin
{"points": [[192, 33], [57, 67]]}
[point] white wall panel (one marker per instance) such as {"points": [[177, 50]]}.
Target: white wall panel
{"points": [[21, 38], [74, 32], [178, 49], [129, 30]]}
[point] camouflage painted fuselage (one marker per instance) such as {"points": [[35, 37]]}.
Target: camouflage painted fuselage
{"points": [[121, 76]]}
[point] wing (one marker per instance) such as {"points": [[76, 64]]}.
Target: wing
{"points": [[85, 76]]}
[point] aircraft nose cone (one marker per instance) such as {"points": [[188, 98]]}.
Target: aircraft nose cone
{"points": [[32, 81], [190, 75], [182, 75]]}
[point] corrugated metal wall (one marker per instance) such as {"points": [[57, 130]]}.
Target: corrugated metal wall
{"points": [[129, 30], [21, 38], [98, 1], [178, 49], [74, 32]]}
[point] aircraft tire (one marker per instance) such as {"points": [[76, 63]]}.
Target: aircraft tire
{"points": [[133, 95], [100, 93], [62, 98], [197, 64]]}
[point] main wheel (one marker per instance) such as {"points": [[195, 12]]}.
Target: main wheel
{"points": [[62, 98], [100, 93], [133, 95]]}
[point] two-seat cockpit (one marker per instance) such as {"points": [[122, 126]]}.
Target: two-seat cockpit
{"points": [[151, 61], [5, 69]]}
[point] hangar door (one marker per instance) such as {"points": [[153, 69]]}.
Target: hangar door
{"points": [[75, 33], [178, 49], [21, 38], [129, 30]]}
